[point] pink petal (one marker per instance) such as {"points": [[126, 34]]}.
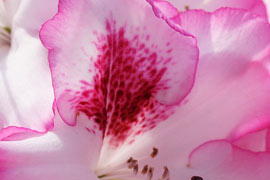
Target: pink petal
{"points": [[255, 6], [227, 29], [33, 13], [257, 141], [63, 153], [17, 133], [223, 161], [26, 99], [26, 93], [49, 171], [116, 66]]}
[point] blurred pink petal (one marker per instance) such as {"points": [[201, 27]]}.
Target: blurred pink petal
{"points": [[229, 162], [26, 93], [255, 6], [63, 153]]}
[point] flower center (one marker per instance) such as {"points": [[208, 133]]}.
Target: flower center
{"points": [[134, 169]]}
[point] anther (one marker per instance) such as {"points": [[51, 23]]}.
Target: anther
{"points": [[145, 169], [129, 160], [136, 169], [186, 7], [196, 178], [155, 152], [132, 164], [165, 173], [134, 161], [7, 29], [150, 173]]}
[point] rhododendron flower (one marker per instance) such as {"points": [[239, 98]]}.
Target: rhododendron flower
{"points": [[122, 80], [25, 83]]}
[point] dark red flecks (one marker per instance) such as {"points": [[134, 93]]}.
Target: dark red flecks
{"points": [[128, 72]]}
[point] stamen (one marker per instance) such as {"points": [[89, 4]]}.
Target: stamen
{"points": [[129, 160], [150, 173], [187, 7], [196, 178], [128, 170], [136, 169], [145, 169], [155, 152], [166, 173], [132, 164]]}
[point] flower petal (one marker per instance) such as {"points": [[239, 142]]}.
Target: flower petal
{"points": [[32, 14], [223, 161], [119, 67], [228, 29], [63, 153], [63, 171], [254, 141], [255, 6], [26, 93]]}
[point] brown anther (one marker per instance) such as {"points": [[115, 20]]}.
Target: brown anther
{"points": [[136, 169], [132, 164], [134, 161], [150, 173], [155, 152], [129, 160], [186, 7], [166, 174], [145, 169], [196, 178]]}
